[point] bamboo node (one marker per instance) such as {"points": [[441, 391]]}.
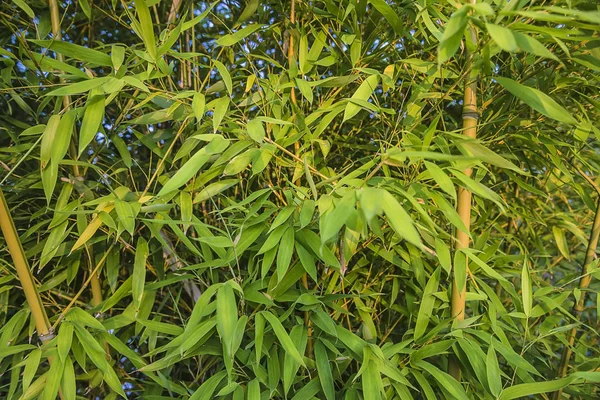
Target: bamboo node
{"points": [[471, 114], [44, 337]]}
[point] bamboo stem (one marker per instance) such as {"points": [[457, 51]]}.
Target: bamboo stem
{"points": [[463, 206], [24, 273], [95, 282], [584, 283], [290, 55], [291, 47]]}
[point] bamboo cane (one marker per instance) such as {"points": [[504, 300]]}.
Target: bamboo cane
{"points": [[17, 253], [584, 283], [290, 56], [463, 206]]}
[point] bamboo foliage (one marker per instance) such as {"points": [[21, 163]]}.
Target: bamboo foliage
{"points": [[297, 200]]}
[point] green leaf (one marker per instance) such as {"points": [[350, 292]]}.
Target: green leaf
{"points": [[503, 36], [363, 92], [388, 13], [255, 130], [479, 151], [231, 39], [527, 389], [283, 337], [537, 100], [427, 303], [453, 387], [123, 150], [259, 329], [79, 87], [493, 372], [146, 27], [139, 272], [65, 337], [126, 215], [221, 107], [92, 118], [68, 384], [81, 53], [440, 177], [249, 11], [254, 384], [227, 317], [307, 261], [49, 176], [207, 389], [331, 223], [215, 188], [224, 74], [371, 381], [285, 252], [452, 35], [62, 137], [526, 289], [193, 165], [324, 370], [399, 219], [307, 211], [239, 162], [561, 241], [117, 56], [48, 138], [23, 6], [31, 366], [533, 46], [54, 376], [198, 104]]}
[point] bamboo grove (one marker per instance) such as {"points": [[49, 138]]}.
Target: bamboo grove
{"points": [[353, 199]]}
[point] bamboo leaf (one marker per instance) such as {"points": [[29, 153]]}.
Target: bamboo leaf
{"points": [[493, 372], [139, 272], [324, 370], [427, 303], [526, 290], [147, 27], [537, 100], [283, 337], [255, 130], [224, 74], [25, 7], [363, 93], [92, 118], [73, 50], [231, 39]]}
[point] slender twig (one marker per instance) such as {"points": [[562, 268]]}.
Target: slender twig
{"points": [[584, 283], [85, 284]]}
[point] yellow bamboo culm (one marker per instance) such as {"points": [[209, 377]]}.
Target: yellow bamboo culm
{"points": [[23, 272], [291, 55], [584, 283], [463, 205]]}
